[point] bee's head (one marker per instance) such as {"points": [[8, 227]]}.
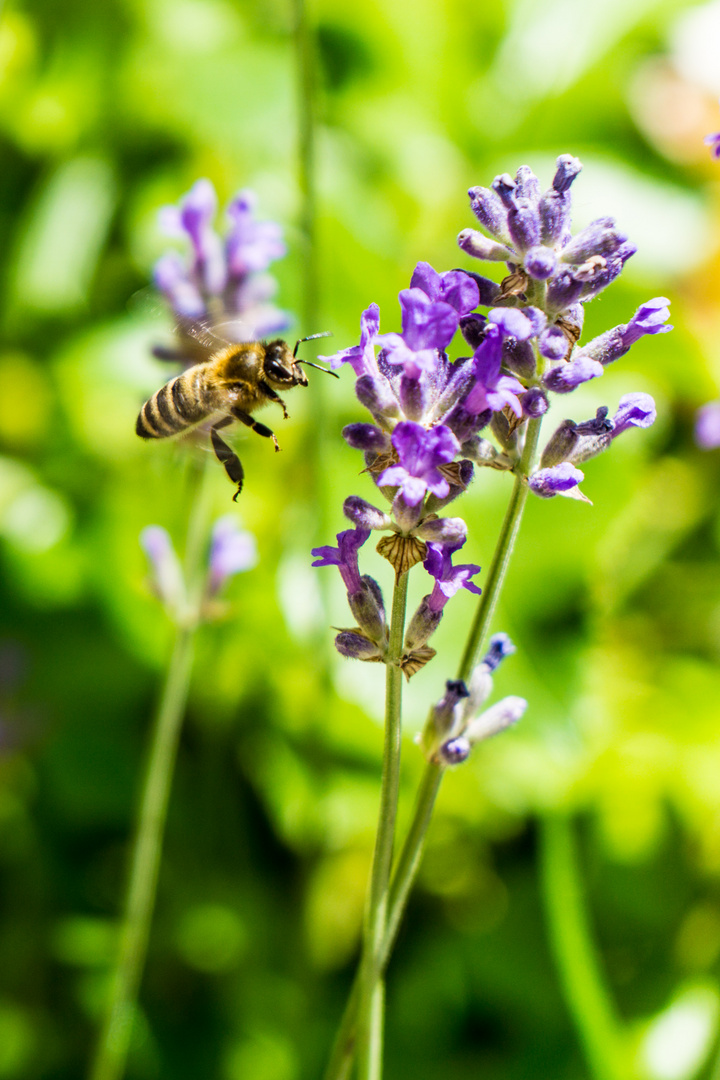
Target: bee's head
{"points": [[280, 367]]}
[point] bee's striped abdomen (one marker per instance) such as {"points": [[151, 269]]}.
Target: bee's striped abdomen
{"points": [[175, 406]]}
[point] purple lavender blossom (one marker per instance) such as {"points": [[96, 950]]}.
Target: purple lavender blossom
{"points": [[166, 576], [448, 578], [492, 390], [360, 357], [707, 426], [634, 410], [420, 453], [232, 550], [345, 557], [650, 318], [454, 287]]}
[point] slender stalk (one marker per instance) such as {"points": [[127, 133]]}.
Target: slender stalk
{"points": [[306, 65], [114, 1042], [411, 853], [586, 994], [502, 555], [370, 1005]]}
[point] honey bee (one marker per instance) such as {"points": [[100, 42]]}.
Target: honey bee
{"points": [[234, 380]]}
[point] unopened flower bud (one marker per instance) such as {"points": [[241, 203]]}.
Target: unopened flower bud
{"points": [[553, 344], [565, 378], [365, 437], [477, 245], [375, 394], [540, 262], [601, 237], [564, 290], [501, 647], [414, 397], [451, 531], [364, 515], [489, 211], [561, 479], [356, 646], [519, 357], [368, 607], [455, 751], [495, 719], [560, 444], [534, 402], [422, 625]]}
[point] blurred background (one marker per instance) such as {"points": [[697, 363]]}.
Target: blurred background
{"points": [[108, 112]]}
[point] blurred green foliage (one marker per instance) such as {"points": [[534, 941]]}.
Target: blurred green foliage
{"points": [[106, 113]]}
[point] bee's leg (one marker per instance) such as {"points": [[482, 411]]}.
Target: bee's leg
{"points": [[227, 457], [261, 429], [270, 393]]}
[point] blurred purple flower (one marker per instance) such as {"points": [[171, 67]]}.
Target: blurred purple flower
{"points": [[250, 245], [166, 574], [713, 141], [232, 550], [222, 283], [707, 426]]}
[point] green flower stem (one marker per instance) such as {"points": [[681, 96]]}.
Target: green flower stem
{"points": [[586, 994], [114, 1042], [370, 1003], [502, 555], [411, 853]]}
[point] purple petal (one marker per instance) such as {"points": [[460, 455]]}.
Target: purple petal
{"points": [[557, 480], [232, 550], [707, 426], [427, 324], [512, 323], [634, 410]]}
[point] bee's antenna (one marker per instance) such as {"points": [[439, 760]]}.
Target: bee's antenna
{"points": [[325, 333], [320, 367]]}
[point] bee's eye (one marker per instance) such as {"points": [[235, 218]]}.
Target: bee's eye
{"points": [[275, 367]]}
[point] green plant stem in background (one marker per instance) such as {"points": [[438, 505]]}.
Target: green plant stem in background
{"points": [[116, 1033], [411, 853], [371, 992], [571, 941]]}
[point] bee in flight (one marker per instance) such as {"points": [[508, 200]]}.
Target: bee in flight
{"points": [[233, 380]]}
